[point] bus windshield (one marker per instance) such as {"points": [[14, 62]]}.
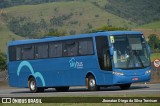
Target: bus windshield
{"points": [[130, 52]]}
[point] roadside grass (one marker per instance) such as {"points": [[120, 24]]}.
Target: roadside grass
{"points": [[97, 104], [155, 56], [4, 83], [85, 104]]}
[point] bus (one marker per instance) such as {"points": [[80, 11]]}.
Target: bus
{"points": [[94, 60]]}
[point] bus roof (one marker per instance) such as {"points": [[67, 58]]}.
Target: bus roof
{"points": [[47, 39]]}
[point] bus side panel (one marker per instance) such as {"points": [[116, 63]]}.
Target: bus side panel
{"points": [[18, 78], [73, 75], [54, 72], [62, 73], [103, 78]]}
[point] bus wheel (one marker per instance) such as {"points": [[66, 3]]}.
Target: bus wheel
{"points": [[125, 86], [92, 86], [33, 87], [62, 89]]}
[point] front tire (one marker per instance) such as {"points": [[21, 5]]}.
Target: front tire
{"points": [[33, 87], [125, 86], [92, 86]]}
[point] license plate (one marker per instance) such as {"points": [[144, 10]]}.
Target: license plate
{"points": [[134, 79]]}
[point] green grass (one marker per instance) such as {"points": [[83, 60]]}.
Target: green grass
{"points": [[84, 104], [155, 56], [97, 104], [153, 25]]}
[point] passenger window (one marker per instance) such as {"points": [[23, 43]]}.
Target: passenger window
{"points": [[12, 53], [70, 48], [55, 49], [85, 47], [18, 53], [27, 52], [41, 51]]}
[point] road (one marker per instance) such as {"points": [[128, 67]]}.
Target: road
{"points": [[81, 91]]}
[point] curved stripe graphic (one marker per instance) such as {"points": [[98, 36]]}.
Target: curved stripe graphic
{"points": [[35, 74]]}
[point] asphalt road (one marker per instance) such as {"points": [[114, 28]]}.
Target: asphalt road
{"points": [[81, 91]]}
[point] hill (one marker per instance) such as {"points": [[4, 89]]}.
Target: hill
{"points": [[138, 11], [148, 29], [5, 36], [10, 3], [153, 25], [70, 17]]}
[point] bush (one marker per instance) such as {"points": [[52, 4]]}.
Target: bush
{"points": [[154, 43], [3, 62], [108, 28]]}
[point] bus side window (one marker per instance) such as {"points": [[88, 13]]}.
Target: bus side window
{"points": [[70, 48], [55, 49], [12, 53], [18, 53], [85, 47], [41, 51], [27, 52]]}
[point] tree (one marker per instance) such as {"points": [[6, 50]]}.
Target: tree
{"points": [[55, 32], [154, 42], [3, 62]]}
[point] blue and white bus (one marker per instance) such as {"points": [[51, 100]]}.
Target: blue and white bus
{"points": [[94, 60]]}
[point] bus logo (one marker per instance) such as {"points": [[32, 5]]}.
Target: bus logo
{"points": [[75, 64]]}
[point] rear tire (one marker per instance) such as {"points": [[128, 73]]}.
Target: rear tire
{"points": [[92, 86], [33, 87], [62, 89], [125, 86]]}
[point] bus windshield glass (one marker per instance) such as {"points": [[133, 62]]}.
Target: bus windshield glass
{"points": [[130, 52]]}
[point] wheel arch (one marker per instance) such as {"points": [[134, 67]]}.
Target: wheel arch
{"points": [[90, 74], [31, 76], [86, 78], [88, 86]]}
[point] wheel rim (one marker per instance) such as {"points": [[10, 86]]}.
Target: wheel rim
{"points": [[33, 85], [92, 83]]}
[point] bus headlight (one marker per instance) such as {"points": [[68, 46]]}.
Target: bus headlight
{"points": [[148, 71], [117, 73]]}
